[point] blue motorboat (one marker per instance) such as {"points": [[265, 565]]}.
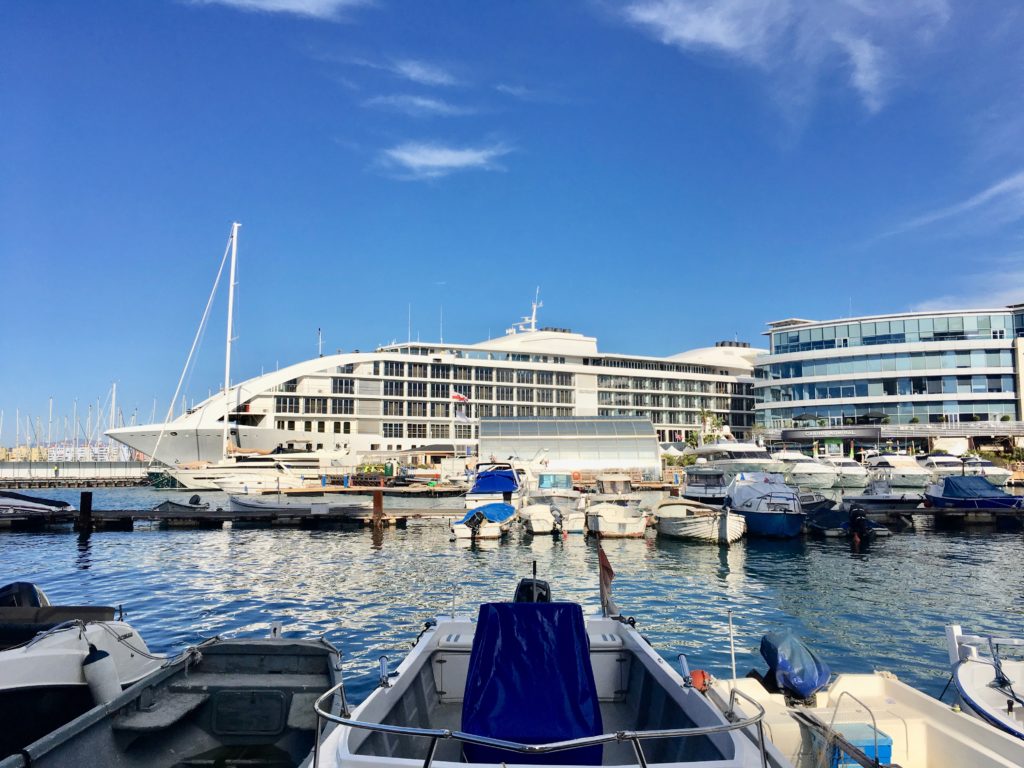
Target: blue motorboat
{"points": [[495, 482], [970, 492], [770, 507]]}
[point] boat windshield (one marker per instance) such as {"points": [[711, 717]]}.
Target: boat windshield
{"points": [[845, 463], [614, 486], [738, 453], [554, 481]]}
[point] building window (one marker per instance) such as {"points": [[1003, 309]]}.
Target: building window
{"points": [[391, 430], [342, 405], [343, 386], [563, 411], [484, 410], [417, 408], [394, 369], [393, 408], [503, 393], [484, 374], [563, 396], [417, 370], [484, 392], [286, 404], [291, 425], [346, 427], [524, 377], [440, 390], [563, 379], [524, 395], [505, 375], [321, 426], [337, 427], [417, 430], [394, 388], [546, 378], [525, 410], [440, 371], [309, 426], [280, 423], [462, 372], [463, 432], [466, 390], [316, 405], [439, 431], [504, 411], [376, 367], [439, 410]]}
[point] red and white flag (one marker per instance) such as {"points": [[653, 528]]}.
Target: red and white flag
{"points": [[459, 397], [606, 575]]}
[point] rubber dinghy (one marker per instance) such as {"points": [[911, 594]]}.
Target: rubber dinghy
{"points": [[990, 685]]}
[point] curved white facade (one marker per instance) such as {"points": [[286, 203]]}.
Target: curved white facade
{"points": [[410, 395], [917, 368]]}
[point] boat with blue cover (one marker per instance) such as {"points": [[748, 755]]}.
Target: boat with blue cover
{"points": [[536, 682], [970, 492], [770, 507], [488, 521], [495, 482]]}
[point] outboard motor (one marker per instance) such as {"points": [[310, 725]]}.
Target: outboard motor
{"points": [[793, 668], [532, 590], [194, 500], [859, 524], [22, 594]]}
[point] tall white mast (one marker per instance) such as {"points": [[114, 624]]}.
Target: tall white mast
{"points": [[231, 327], [49, 423], [113, 409]]}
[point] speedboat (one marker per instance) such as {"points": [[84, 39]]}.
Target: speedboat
{"points": [[537, 518], [880, 496], [970, 492], [862, 720], [975, 465], [812, 501], [849, 473], [495, 482], [681, 518], [733, 458], [898, 470], [614, 489], [281, 505], [985, 680], [572, 520], [59, 661], [486, 521], [194, 505], [805, 471], [769, 506], [535, 682], [21, 509], [616, 521], [705, 483], [224, 702], [556, 489], [941, 465]]}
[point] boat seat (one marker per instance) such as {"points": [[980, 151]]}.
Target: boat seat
{"points": [[206, 681], [166, 712], [530, 680]]}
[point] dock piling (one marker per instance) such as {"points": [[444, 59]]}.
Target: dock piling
{"points": [[85, 512]]}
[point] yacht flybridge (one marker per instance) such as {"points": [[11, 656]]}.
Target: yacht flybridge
{"points": [[411, 394]]}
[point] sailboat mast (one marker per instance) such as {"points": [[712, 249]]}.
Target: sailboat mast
{"points": [[231, 317]]}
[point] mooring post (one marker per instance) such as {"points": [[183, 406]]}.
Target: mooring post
{"points": [[378, 503], [85, 512]]}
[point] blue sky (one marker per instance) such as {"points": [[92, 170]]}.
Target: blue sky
{"points": [[669, 172]]}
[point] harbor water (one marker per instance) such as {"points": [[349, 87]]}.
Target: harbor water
{"points": [[369, 591]]}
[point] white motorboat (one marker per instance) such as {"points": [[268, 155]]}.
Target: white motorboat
{"points": [[485, 521], [616, 521], [614, 489], [805, 471], [941, 465], [537, 518], [849, 473], [681, 518], [262, 483], [990, 685], [60, 661], [278, 504], [573, 520], [17, 508], [705, 483], [556, 489], [534, 682], [898, 470], [254, 471], [733, 458], [998, 476], [495, 482], [879, 495]]}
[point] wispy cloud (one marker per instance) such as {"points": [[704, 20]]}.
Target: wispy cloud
{"points": [[420, 160], [1001, 284], [1001, 203], [417, 106], [797, 41], [330, 10], [423, 72]]}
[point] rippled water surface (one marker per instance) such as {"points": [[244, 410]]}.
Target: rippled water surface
{"points": [[370, 592]]}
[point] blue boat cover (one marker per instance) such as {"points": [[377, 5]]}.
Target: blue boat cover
{"points": [[792, 665], [495, 481], [496, 512], [530, 681], [970, 487]]}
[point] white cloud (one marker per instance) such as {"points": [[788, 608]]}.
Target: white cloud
{"points": [[423, 73], [417, 106], [796, 41], [317, 9], [998, 287], [419, 160], [1001, 203]]}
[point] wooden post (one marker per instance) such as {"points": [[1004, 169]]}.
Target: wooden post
{"points": [[85, 512], [378, 509]]}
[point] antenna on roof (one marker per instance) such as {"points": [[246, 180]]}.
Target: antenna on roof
{"points": [[528, 323]]}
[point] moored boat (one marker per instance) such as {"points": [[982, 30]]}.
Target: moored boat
{"points": [[985, 680], [941, 465], [998, 476], [705, 483], [556, 489], [616, 521], [495, 482], [537, 518], [485, 521], [879, 495], [838, 523], [681, 518], [971, 492], [769, 506], [805, 471], [898, 470], [849, 473]]}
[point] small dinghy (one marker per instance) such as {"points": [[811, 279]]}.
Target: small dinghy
{"points": [[680, 518], [58, 662], [770, 507], [880, 496], [616, 521], [488, 521], [195, 504], [990, 685], [244, 702], [970, 492], [535, 682], [867, 720], [537, 518], [837, 523]]}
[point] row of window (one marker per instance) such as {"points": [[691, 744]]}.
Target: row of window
{"points": [[914, 385], [908, 330], [906, 361], [314, 405], [339, 427], [677, 417], [672, 385], [893, 413], [471, 354], [392, 368], [650, 365], [673, 401]]}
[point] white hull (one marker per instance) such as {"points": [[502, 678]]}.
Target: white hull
{"points": [[974, 676], [276, 504], [899, 478], [486, 530], [998, 476], [574, 521], [851, 478], [613, 521], [805, 479], [480, 499], [537, 518], [713, 527]]}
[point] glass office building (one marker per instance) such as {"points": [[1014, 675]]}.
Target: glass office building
{"points": [[918, 368]]}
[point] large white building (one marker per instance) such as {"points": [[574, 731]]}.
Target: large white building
{"points": [[407, 395], [904, 370]]}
